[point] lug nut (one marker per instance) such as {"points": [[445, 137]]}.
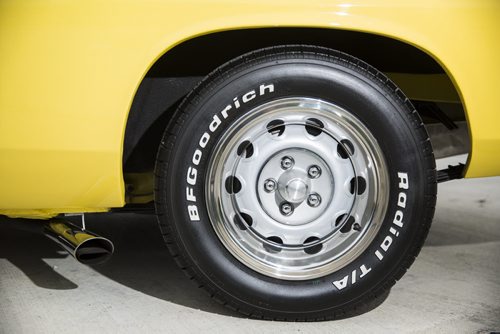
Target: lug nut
{"points": [[269, 185], [314, 172], [314, 200], [286, 209], [287, 162]]}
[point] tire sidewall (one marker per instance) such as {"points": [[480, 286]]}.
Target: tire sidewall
{"points": [[378, 108]]}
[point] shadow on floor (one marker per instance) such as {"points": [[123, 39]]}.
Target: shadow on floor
{"points": [[141, 261], [26, 250]]}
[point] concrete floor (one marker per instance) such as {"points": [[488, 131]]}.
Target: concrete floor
{"points": [[453, 287]]}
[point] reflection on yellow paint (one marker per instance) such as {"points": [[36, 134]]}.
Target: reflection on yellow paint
{"points": [[69, 71]]}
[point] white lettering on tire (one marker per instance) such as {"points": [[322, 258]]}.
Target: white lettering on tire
{"points": [[384, 247], [193, 213], [344, 282], [217, 119]]}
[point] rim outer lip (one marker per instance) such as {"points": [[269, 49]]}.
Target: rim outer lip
{"points": [[307, 267]]}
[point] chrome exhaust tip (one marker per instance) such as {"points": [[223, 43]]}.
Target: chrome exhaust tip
{"points": [[86, 247]]}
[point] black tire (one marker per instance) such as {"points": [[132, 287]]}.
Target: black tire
{"points": [[313, 72]]}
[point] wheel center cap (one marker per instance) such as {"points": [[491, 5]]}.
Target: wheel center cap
{"points": [[294, 190]]}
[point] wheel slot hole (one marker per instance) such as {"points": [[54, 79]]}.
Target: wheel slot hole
{"points": [[276, 127], [340, 219], [243, 220], [233, 185], [358, 184], [314, 249], [345, 148], [314, 126], [347, 225], [273, 247], [245, 149]]}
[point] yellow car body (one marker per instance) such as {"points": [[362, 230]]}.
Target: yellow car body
{"points": [[69, 71]]}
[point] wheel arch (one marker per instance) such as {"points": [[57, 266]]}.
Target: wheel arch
{"points": [[177, 70]]}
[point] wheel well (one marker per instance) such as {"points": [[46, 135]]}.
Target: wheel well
{"points": [[176, 73]]}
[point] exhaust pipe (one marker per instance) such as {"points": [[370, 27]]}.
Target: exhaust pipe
{"points": [[86, 247]]}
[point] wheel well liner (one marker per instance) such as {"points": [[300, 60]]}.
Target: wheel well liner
{"points": [[177, 71]]}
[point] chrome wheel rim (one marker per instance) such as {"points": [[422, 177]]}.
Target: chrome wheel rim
{"points": [[297, 188]]}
